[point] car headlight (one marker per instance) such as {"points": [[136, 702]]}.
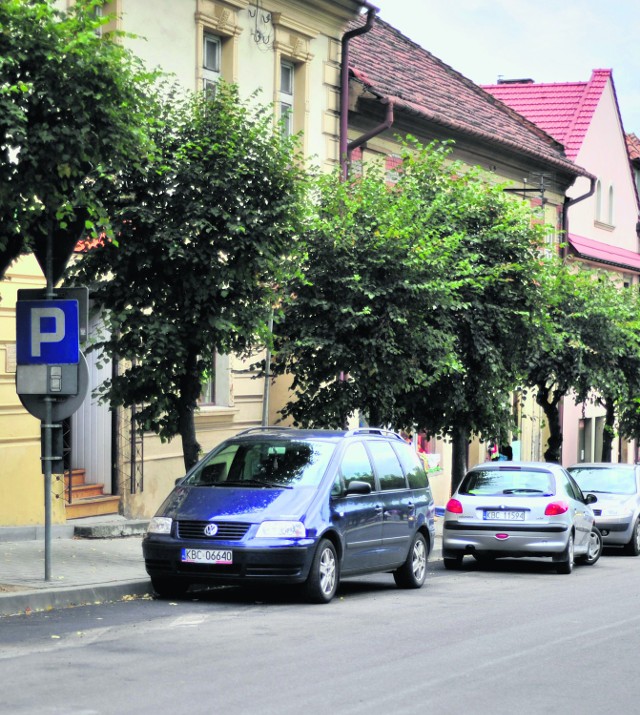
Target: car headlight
{"points": [[160, 525], [281, 530]]}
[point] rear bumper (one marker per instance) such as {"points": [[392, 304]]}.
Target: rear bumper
{"points": [[517, 540]]}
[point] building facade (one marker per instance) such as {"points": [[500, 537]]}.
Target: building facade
{"points": [[289, 52], [601, 222]]}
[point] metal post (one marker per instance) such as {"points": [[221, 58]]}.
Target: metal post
{"points": [[267, 378], [48, 437]]}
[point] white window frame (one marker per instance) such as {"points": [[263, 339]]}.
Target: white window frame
{"points": [[598, 206], [216, 392], [211, 69], [610, 207], [287, 95]]}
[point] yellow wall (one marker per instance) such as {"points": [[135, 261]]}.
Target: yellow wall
{"points": [[21, 479]]}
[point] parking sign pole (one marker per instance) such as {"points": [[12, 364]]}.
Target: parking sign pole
{"points": [[48, 437]]}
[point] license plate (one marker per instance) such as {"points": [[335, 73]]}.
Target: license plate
{"points": [[207, 556], [504, 515]]}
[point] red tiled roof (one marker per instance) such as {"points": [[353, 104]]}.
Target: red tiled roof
{"points": [[563, 110], [633, 147], [600, 252], [392, 66]]}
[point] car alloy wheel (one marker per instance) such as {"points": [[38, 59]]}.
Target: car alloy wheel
{"points": [[322, 583], [633, 547], [595, 548], [413, 573], [566, 560]]}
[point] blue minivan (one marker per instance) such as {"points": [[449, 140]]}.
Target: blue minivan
{"points": [[283, 505]]}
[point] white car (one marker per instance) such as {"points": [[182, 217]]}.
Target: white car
{"points": [[618, 512], [516, 509]]}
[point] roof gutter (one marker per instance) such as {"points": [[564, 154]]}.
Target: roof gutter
{"points": [[344, 84], [568, 203]]}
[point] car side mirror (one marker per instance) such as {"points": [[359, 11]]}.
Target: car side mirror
{"points": [[590, 499], [358, 487]]}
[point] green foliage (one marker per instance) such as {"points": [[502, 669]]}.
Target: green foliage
{"points": [[584, 344], [421, 292], [207, 232], [72, 106]]}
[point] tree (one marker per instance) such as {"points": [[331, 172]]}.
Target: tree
{"points": [[361, 324], [420, 292], [206, 234], [72, 106], [617, 387], [579, 345]]}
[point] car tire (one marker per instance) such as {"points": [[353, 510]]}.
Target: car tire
{"points": [[633, 547], [566, 560], [168, 588], [453, 563], [594, 552], [322, 582], [413, 572]]}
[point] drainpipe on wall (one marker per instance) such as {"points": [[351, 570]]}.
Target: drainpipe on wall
{"points": [[344, 83], [568, 203], [372, 132]]}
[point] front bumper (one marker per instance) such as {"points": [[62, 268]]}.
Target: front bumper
{"points": [[276, 563], [614, 530], [521, 540]]}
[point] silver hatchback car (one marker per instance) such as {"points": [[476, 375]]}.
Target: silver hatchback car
{"points": [[618, 512], [515, 509]]}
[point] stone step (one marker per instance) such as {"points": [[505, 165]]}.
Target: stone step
{"points": [[93, 506], [84, 491], [77, 478]]}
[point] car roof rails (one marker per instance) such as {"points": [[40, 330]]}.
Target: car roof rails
{"points": [[269, 428], [373, 430]]}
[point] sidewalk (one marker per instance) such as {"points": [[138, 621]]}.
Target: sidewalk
{"points": [[99, 560]]}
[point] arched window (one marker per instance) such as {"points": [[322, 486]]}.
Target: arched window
{"points": [[610, 212], [598, 200]]}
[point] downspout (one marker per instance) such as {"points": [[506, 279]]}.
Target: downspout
{"points": [[373, 132], [568, 203], [344, 83]]}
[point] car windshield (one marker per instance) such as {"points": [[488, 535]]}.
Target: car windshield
{"points": [[507, 482], [605, 480], [263, 463]]}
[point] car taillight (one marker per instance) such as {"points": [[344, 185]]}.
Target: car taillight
{"points": [[556, 507], [454, 506]]}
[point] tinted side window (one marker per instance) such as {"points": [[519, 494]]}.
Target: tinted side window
{"points": [[412, 465], [355, 465], [387, 466]]}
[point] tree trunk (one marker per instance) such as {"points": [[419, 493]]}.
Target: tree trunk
{"points": [[189, 393], [608, 434], [459, 449], [549, 400]]}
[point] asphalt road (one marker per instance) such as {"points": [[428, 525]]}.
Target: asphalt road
{"points": [[515, 637]]}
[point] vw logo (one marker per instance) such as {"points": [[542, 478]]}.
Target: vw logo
{"points": [[211, 529]]}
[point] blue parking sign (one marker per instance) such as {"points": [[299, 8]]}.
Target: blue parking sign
{"points": [[47, 332]]}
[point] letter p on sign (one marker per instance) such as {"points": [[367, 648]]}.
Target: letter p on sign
{"points": [[47, 332]]}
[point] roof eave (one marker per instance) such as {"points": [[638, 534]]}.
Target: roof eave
{"points": [[400, 104]]}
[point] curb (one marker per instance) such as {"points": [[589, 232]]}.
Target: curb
{"points": [[24, 602], [110, 531]]}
